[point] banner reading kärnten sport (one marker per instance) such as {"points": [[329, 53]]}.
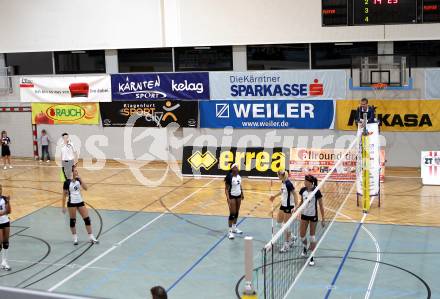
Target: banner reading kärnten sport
{"points": [[394, 115]]}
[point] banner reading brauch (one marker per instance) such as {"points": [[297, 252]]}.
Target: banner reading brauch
{"points": [[179, 86], [261, 114], [64, 89], [329, 84]]}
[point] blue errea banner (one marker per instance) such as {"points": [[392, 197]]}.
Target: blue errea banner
{"points": [[178, 86], [283, 85], [262, 114]]}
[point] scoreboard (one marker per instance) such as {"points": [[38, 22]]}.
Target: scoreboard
{"points": [[379, 12]]}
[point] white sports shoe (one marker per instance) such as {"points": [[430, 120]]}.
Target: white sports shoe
{"points": [[285, 247], [5, 266], [312, 262], [48, 161], [304, 252], [93, 240], [237, 231], [10, 166], [231, 236], [5, 167], [75, 241]]}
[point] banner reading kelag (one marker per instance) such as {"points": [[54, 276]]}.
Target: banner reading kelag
{"points": [[67, 113], [150, 113], [394, 115]]}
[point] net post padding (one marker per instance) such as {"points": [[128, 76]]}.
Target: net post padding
{"points": [[294, 216]]}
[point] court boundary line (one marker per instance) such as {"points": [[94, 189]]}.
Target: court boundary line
{"points": [[62, 282]]}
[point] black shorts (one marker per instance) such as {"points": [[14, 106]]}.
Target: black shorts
{"points": [[309, 218], [75, 205], [6, 151], [287, 210], [3, 225], [234, 197]]}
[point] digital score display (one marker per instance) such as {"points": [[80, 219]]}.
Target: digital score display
{"points": [[384, 12], [379, 12]]}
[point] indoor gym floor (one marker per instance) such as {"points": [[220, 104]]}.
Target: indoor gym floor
{"points": [[174, 235]]}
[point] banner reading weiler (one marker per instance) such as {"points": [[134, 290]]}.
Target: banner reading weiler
{"points": [[153, 113], [394, 115], [67, 113]]}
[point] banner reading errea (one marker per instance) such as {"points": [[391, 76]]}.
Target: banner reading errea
{"points": [[394, 115], [328, 84], [65, 113], [66, 89]]}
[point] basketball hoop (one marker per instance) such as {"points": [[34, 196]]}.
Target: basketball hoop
{"points": [[378, 89]]}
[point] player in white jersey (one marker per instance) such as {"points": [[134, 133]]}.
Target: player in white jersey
{"points": [[287, 207], [309, 215], [72, 191], [5, 210], [234, 196]]}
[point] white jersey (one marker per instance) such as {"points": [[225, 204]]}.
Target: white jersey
{"points": [[4, 218], [311, 208], [74, 190], [286, 194], [67, 152], [234, 183]]}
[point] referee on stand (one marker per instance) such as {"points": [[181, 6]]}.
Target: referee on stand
{"points": [[69, 156]]}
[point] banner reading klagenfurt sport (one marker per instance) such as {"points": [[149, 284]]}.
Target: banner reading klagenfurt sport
{"points": [[262, 114], [319, 162], [178, 86], [65, 89], [329, 84], [151, 113], [376, 164], [65, 113]]}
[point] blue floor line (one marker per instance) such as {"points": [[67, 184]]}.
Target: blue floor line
{"points": [[341, 265], [200, 259]]}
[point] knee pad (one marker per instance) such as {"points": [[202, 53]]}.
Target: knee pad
{"points": [[6, 245], [312, 239], [72, 222], [231, 216], [87, 221]]}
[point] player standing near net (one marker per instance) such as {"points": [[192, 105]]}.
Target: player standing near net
{"points": [[309, 215], [287, 207], [234, 196], [72, 190], [5, 210]]}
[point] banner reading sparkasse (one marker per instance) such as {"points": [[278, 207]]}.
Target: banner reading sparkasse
{"points": [[394, 115], [65, 89], [319, 162], [65, 113], [326, 84]]}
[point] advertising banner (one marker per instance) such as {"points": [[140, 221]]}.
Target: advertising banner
{"points": [[152, 113], [251, 161], [262, 114], [393, 115], [65, 113], [328, 84], [160, 86], [319, 162], [430, 167], [65, 89]]}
